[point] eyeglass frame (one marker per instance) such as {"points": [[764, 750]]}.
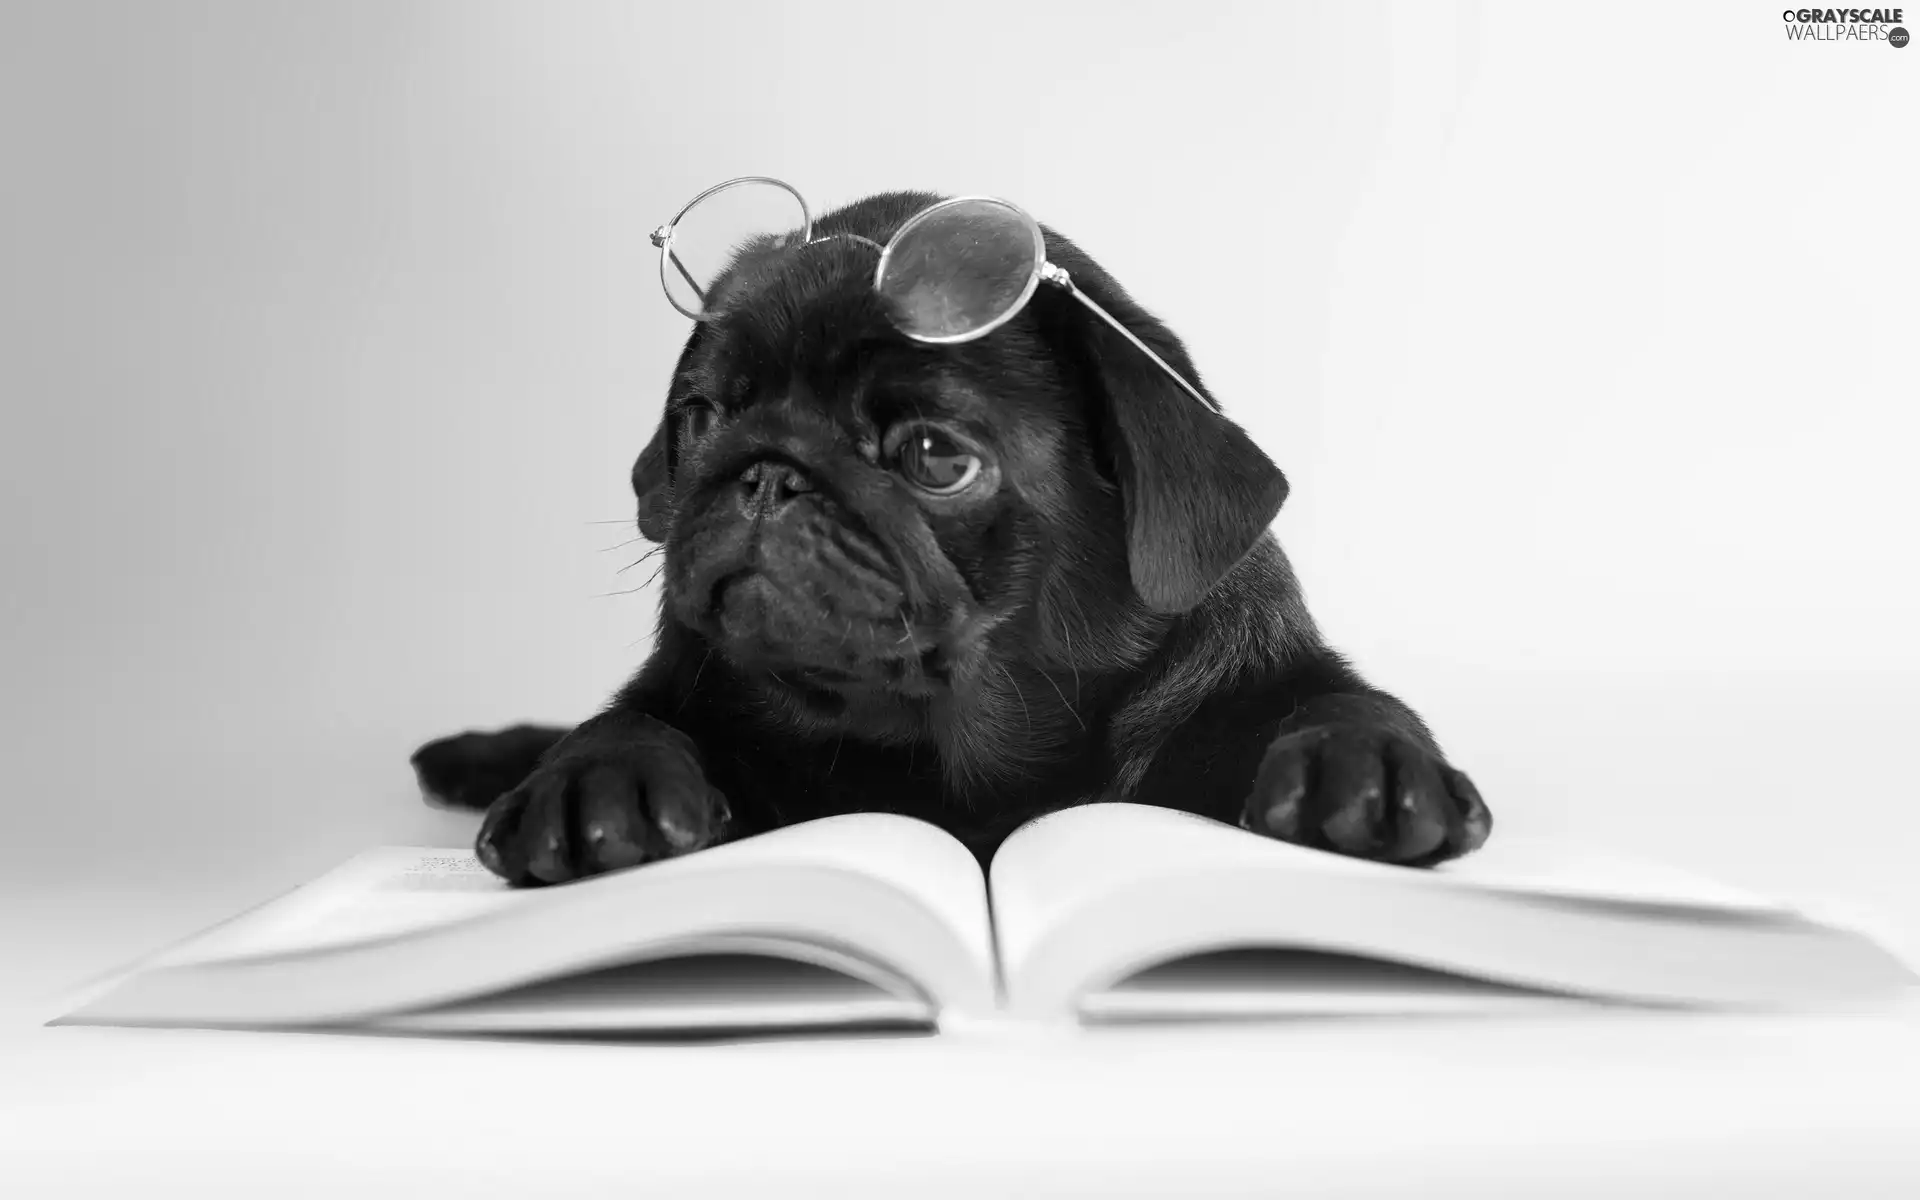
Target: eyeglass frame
{"points": [[1044, 270]]}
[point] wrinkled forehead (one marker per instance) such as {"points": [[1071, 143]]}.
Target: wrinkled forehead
{"points": [[773, 290], [776, 291], [778, 300]]}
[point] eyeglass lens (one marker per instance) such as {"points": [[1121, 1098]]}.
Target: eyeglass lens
{"points": [[961, 268], [722, 230]]}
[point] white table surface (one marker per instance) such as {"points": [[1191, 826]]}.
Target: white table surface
{"points": [[1647, 1106], [1630, 1106]]}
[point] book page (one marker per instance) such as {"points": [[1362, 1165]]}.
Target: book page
{"points": [[381, 892], [911, 855], [1072, 857], [1541, 867], [886, 899], [709, 991], [1087, 892], [1233, 984], [397, 890]]}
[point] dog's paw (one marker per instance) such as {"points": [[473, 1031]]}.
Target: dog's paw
{"points": [[607, 805], [1366, 791]]}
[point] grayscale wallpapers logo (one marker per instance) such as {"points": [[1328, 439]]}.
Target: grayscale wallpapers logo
{"points": [[1846, 25]]}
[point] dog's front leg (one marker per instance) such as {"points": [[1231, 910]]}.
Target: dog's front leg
{"points": [[622, 789], [1357, 772], [1311, 754]]}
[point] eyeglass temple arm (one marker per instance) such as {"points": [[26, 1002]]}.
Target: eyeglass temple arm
{"points": [[686, 275], [1059, 278], [663, 238]]}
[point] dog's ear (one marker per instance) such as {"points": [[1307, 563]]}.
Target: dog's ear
{"points": [[1198, 493]]}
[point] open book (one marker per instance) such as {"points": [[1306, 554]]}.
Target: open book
{"points": [[1109, 912]]}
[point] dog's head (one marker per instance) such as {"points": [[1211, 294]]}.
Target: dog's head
{"points": [[875, 530]]}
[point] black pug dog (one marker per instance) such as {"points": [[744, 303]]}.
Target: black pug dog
{"points": [[970, 583]]}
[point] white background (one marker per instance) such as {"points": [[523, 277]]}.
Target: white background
{"points": [[1585, 335]]}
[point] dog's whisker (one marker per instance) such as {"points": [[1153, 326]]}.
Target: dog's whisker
{"points": [[691, 687], [1086, 628], [638, 537], [636, 562], [1066, 635], [1008, 676], [1063, 700]]}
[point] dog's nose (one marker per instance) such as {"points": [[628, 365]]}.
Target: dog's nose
{"points": [[770, 484]]}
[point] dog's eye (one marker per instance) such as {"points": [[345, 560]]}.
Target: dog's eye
{"points": [[697, 418], [933, 461]]}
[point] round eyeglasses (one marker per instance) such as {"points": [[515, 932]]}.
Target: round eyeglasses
{"points": [[956, 271]]}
